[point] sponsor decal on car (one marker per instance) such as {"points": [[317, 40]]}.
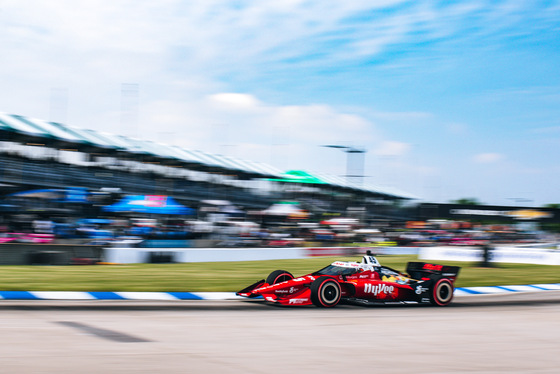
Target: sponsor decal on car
{"points": [[346, 264], [298, 301], [433, 267], [377, 289], [420, 289], [290, 290]]}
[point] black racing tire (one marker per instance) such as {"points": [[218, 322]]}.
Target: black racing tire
{"points": [[325, 292], [442, 292], [278, 276]]}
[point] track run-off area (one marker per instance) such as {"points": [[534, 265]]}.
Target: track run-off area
{"points": [[493, 333]]}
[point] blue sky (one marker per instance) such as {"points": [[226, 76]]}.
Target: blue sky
{"points": [[450, 99]]}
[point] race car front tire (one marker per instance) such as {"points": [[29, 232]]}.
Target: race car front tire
{"points": [[325, 292], [278, 276], [442, 292]]}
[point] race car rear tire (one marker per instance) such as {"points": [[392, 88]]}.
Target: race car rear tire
{"points": [[325, 292], [442, 292], [278, 276]]}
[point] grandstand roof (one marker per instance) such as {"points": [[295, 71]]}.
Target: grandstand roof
{"points": [[52, 134], [300, 176]]}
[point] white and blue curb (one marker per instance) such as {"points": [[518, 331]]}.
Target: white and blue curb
{"points": [[153, 296], [465, 291], [173, 296]]}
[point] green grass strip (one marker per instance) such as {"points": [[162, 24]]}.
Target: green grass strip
{"points": [[233, 276]]}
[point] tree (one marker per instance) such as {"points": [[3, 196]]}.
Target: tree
{"points": [[466, 201]]}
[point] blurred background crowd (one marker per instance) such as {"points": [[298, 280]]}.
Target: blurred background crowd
{"points": [[221, 224]]}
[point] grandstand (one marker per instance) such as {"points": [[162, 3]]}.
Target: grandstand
{"points": [[39, 154]]}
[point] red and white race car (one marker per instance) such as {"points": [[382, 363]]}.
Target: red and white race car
{"points": [[363, 282]]}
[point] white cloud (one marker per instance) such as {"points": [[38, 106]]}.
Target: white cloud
{"points": [[392, 149], [235, 100], [124, 38], [93, 46], [488, 158], [244, 126]]}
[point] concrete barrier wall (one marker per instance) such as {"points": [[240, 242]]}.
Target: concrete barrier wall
{"points": [[48, 254], [505, 254], [146, 255], [239, 254]]}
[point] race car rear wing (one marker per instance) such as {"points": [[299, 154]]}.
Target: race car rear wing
{"points": [[419, 270]]}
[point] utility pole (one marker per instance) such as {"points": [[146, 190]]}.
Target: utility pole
{"points": [[354, 163], [129, 109]]}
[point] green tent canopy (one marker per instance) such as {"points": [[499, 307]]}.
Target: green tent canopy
{"points": [[299, 176]]}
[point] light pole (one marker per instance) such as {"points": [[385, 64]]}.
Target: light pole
{"points": [[354, 163]]}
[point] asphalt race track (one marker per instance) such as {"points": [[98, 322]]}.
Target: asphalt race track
{"points": [[510, 333]]}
